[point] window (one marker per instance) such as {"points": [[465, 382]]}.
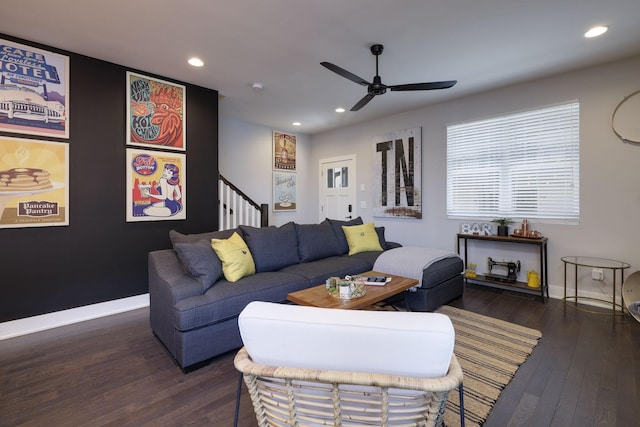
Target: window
{"points": [[523, 165]]}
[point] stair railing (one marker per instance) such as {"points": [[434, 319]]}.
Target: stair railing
{"points": [[236, 208]]}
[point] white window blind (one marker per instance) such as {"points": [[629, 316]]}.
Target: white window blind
{"points": [[523, 165]]}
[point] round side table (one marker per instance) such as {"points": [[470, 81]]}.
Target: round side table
{"points": [[591, 262]]}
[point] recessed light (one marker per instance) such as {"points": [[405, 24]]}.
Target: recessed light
{"points": [[257, 86], [196, 62], [595, 32], [296, 123], [340, 110]]}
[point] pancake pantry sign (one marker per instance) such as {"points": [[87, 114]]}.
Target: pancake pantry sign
{"points": [[33, 183]]}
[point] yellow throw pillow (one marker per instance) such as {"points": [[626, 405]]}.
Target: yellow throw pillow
{"points": [[362, 238], [236, 258]]}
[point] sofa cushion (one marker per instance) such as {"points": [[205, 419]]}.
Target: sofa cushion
{"points": [[200, 261], [177, 237], [337, 229], [319, 270], [235, 256], [394, 343], [362, 238], [272, 247], [316, 241], [226, 300]]}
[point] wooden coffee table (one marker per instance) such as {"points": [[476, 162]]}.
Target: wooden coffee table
{"points": [[318, 296]]}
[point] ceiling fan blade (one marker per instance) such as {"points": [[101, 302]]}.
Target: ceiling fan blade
{"points": [[364, 101], [344, 73], [424, 86]]}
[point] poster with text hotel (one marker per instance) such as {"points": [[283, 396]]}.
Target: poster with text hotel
{"points": [[34, 183], [34, 91], [156, 185], [156, 111]]}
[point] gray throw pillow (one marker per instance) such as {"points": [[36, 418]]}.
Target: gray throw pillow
{"points": [[343, 246], [272, 247], [316, 241], [381, 238], [177, 237], [200, 261]]}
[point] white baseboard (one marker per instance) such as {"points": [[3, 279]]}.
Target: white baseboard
{"points": [[557, 292], [32, 324], [29, 325]]}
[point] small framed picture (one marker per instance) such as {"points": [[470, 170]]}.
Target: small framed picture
{"points": [[284, 191], [284, 151]]}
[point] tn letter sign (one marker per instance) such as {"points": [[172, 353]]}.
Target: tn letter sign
{"points": [[397, 174]]}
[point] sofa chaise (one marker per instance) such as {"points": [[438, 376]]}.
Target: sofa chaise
{"points": [[194, 308]]}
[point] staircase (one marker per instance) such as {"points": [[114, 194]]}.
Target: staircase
{"points": [[236, 208]]}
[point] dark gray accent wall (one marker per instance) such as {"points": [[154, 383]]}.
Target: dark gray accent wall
{"points": [[99, 256]]}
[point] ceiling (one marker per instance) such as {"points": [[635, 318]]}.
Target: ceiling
{"points": [[280, 43]]}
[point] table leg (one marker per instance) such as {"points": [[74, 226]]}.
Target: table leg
{"points": [[575, 286], [565, 283], [613, 304]]}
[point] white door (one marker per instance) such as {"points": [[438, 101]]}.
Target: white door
{"points": [[338, 188]]}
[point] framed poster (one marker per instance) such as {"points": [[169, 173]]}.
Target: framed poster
{"points": [[284, 191], [34, 183], [34, 90], [284, 151], [397, 174], [156, 185], [156, 111]]}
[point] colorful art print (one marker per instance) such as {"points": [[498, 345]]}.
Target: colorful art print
{"points": [[34, 183], [156, 185], [156, 112], [284, 191], [34, 91], [397, 174], [284, 151]]}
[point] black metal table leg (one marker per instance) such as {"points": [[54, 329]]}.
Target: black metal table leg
{"points": [[238, 394]]}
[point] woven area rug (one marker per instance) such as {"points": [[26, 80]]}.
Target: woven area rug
{"points": [[490, 352]]}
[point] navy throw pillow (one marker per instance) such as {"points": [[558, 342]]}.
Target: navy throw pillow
{"points": [[316, 241], [272, 247], [337, 229]]}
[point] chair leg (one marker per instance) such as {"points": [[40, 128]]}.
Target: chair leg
{"points": [[238, 394], [461, 391]]}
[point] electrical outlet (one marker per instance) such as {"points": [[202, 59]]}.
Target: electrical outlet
{"points": [[597, 274]]}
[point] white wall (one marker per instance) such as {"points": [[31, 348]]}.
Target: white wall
{"points": [[610, 198], [245, 156]]}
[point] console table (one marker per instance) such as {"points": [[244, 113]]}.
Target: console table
{"points": [[541, 243], [591, 262]]}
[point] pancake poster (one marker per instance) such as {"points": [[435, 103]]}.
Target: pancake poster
{"points": [[34, 183], [156, 111], [156, 185], [34, 91]]}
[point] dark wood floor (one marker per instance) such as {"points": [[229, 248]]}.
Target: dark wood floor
{"points": [[112, 372]]}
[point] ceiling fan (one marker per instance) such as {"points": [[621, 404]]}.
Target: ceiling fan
{"points": [[377, 87]]}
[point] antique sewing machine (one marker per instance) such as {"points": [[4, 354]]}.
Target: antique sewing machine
{"points": [[511, 268]]}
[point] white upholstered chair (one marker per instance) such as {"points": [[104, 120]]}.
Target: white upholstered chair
{"points": [[307, 366]]}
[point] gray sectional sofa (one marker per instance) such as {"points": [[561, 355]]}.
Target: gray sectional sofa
{"points": [[194, 309]]}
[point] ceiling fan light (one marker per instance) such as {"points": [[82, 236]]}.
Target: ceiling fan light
{"points": [[596, 31], [340, 110]]}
